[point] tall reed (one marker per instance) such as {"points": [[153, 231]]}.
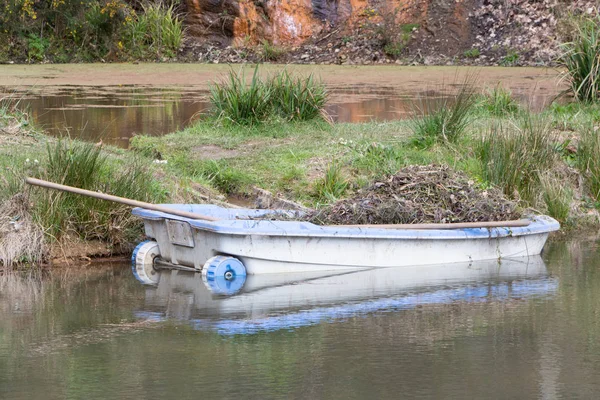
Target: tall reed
{"points": [[581, 58], [499, 102], [284, 95], [233, 100], [514, 158], [86, 166], [445, 119], [588, 160], [298, 98]]}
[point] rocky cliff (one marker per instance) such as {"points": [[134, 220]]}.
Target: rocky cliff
{"points": [[507, 32]]}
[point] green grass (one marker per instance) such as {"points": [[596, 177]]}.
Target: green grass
{"points": [[514, 156], [290, 97], [588, 160], [86, 166], [499, 102], [271, 52], [472, 53], [557, 198], [285, 157], [298, 98], [234, 101], [157, 31], [581, 59], [332, 185], [444, 120]]}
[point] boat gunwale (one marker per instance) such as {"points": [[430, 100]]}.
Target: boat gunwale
{"points": [[541, 224]]}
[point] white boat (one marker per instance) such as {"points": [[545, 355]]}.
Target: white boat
{"points": [[240, 244], [283, 301]]}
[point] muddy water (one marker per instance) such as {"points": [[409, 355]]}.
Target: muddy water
{"points": [[114, 102], [524, 330]]}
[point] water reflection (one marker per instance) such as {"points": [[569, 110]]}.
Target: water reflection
{"points": [[491, 335], [114, 114], [284, 301]]}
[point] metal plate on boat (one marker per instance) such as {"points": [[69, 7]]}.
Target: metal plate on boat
{"points": [[180, 233]]}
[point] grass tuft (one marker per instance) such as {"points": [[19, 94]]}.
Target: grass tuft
{"points": [[444, 120], [582, 60], [292, 98], [242, 104], [333, 185], [271, 52], [557, 197], [499, 102], [514, 158], [298, 98], [588, 161]]}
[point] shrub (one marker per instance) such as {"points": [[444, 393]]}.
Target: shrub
{"points": [[581, 58], [515, 158], [443, 120]]}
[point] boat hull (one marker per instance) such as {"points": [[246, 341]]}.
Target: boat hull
{"points": [[289, 246]]}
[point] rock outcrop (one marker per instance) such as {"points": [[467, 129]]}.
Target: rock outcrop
{"points": [[506, 32]]}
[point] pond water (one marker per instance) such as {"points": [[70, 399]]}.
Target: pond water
{"points": [[526, 329], [114, 102]]}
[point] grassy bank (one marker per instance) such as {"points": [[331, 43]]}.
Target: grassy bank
{"points": [[37, 225], [546, 162]]}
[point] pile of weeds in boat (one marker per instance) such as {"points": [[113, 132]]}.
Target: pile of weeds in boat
{"points": [[420, 194]]}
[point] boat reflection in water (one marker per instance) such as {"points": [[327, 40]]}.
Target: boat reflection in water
{"points": [[283, 301]]}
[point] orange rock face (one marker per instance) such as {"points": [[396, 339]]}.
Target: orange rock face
{"points": [[293, 21], [279, 21]]}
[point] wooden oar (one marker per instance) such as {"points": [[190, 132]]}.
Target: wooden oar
{"points": [[455, 225], [187, 214], [117, 199]]}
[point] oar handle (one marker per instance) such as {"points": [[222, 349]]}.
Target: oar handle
{"points": [[455, 225], [187, 214], [117, 199]]}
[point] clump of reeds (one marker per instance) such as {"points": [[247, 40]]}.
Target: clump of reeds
{"points": [[445, 119], [298, 98], [499, 102], [514, 157], [588, 160], [32, 217], [284, 95], [13, 120], [233, 100], [158, 30], [581, 58], [271, 52], [84, 165], [557, 197]]}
